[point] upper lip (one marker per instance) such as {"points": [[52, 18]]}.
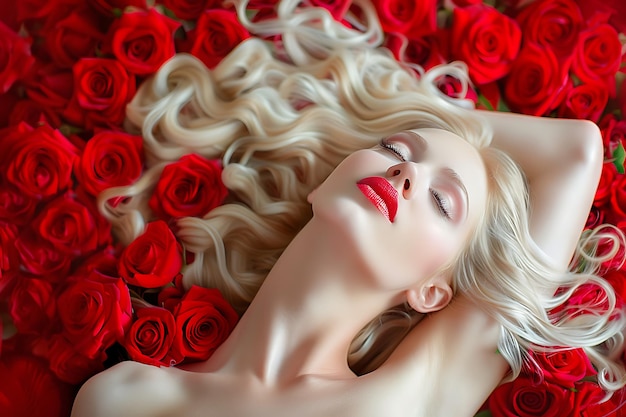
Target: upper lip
{"points": [[382, 194]]}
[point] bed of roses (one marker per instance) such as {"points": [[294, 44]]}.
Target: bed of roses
{"points": [[73, 301]]}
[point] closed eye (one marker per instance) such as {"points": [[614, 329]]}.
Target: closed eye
{"points": [[442, 203], [395, 149]]}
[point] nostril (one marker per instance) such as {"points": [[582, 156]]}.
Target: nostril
{"points": [[407, 184], [396, 172]]}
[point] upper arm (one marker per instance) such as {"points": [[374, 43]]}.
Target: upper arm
{"points": [[562, 160]]}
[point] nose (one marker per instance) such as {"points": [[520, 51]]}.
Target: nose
{"points": [[405, 176]]}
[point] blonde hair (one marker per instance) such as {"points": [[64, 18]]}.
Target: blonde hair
{"points": [[280, 125]]}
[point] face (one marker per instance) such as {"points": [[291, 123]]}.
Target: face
{"points": [[407, 206]]}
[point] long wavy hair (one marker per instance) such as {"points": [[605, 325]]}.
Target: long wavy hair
{"points": [[281, 119]]}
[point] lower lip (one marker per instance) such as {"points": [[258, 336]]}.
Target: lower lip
{"points": [[376, 200]]}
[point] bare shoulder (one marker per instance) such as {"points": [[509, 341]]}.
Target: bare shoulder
{"points": [[450, 354], [129, 389]]}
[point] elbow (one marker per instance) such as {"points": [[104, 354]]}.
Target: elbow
{"points": [[588, 149]]}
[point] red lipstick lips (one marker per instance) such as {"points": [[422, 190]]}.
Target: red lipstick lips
{"points": [[382, 194]]}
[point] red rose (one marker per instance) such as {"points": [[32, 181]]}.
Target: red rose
{"points": [[586, 299], [427, 51], [71, 226], [40, 258], [585, 101], [598, 56], [153, 259], [151, 336], [113, 7], [32, 305], [465, 3], [190, 9], [9, 257], [204, 319], [613, 133], [33, 113], [525, 398], [16, 207], [215, 35], [50, 86], [337, 8], [142, 40], [102, 88], [170, 296], [595, 217], [617, 279], [95, 312], [72, 34], [29, 388], [191, 186], [552, 24], [565, 367], [110, 159], [410, 18], [486, 40], [15, 57], [68, 364], [603, 192], [535, 83], [452, 87], [618, 196], [39, 161]]}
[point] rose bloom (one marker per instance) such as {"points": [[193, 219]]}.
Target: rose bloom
{"points": [[536, 82], [15, 57], [192, 186], [618, 197], [152, 259], [613, 133], [34, 114], [110, 7], [110, 159], [552, 24], [565, 367], [585, 101], [95, 311], [31, 305], [68, 364], [525, 398], [216, 33], [38, 161], [190, 9], [150, 337], [486, 40], [142, 40], [72, 226], [39, 257], [50, 86], [337, 8], [410, 18], [69, 35], [29, 388], [102, 88], [427, 51], [204, 319], [604, 190], [598, 56], [9, 257]]}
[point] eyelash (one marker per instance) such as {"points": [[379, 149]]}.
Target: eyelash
{"points": [[439, 200], [394, 149]]}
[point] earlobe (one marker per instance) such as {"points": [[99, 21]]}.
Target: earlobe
{"points": [[432, 296]]}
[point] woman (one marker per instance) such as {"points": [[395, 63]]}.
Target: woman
{"points": [[435, 219]]}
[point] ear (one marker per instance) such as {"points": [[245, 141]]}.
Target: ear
{"points": [[432, 296]]}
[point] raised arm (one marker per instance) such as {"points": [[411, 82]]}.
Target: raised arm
{"points": [[562, 160]]}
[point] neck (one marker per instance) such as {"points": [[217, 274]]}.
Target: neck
{"points": [[304, 317]]}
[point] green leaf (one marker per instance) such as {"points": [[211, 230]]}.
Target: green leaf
{"points": [[503, 107], [483, 100], [618, 158], [484, 413]]}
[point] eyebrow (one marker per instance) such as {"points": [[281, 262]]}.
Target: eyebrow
{"points": [[422, 144]]}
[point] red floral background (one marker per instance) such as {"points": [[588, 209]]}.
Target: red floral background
{"points": [[73, 301]]}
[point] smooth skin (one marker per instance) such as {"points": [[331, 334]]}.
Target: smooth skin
{"points": [[287, 355]]}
